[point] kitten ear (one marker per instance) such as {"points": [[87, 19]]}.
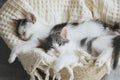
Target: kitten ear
{"points": [[64, 33], [31, 18]]}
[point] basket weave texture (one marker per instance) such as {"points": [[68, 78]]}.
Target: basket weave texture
{"points": [[54, 12]]}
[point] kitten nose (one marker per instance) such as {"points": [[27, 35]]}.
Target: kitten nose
{"points": [[57, 50]]}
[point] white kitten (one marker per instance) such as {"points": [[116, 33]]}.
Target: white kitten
{"points": [[32, 30], [88, 30], [75, 34], [68, 55]]}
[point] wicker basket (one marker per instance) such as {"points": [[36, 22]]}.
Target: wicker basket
{"points": [[53, 12]]}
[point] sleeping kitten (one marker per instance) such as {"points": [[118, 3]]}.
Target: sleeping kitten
{"points": [[74, 33], [79, 32], [31, 29], [67, 54]]}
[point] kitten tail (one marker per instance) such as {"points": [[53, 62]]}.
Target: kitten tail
{"points": [[116, 52]]}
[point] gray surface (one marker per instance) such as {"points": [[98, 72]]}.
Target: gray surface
{"points": [[114, 75], [1, 2], [10, 71]]}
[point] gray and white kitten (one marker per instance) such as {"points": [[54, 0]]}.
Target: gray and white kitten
{"points": [[74, 33], [30, 30]]}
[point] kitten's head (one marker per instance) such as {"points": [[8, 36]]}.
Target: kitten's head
{"points": [[25, 26], [55, 41]]}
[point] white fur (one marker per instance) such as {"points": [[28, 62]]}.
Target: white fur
{"points": [[67, 58], [71, 55], [40, 31], [35, 31], [103, 46], [88, 29]]}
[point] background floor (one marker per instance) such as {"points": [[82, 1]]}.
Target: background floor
{"points": [[10, 71]]}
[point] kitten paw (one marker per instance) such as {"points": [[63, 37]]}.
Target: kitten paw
{"points": [[12, 58], [108, 71], [99, 62], [13, 55]]}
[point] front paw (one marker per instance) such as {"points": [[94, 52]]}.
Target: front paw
{"points": [[100, 62], [57, 66], [12, 56], [14, 53]]}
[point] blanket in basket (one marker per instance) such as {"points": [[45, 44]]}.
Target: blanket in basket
{"points": [[53, 12]]}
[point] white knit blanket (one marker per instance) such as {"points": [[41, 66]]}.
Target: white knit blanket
{"points": [[52, 12]]}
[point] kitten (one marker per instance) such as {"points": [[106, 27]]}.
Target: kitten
{"points": [[31, 30], [67, 55], [81, 33], [74, 34]]}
